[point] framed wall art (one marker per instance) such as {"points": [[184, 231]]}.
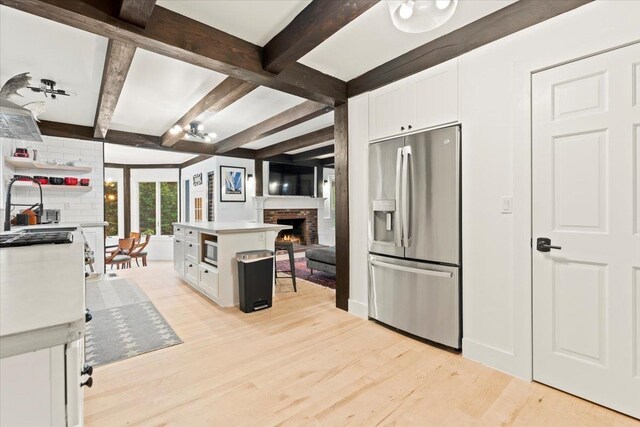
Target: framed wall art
{"points": [[233, 184]]}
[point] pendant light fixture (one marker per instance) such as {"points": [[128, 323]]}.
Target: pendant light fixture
{"points": [[419, 16]]}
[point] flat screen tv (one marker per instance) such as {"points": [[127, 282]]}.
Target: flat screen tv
{"points": [[291, 180]]}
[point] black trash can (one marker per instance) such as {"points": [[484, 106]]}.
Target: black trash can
{"points": [[255, 279]]}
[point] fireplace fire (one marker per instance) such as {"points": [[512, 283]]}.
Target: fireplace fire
{"points": [[296, 234], [304, 223]]}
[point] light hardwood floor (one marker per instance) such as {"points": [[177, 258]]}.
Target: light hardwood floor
{"points": [[305, 363]]}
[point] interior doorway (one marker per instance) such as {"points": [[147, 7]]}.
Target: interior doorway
{"points": [[586, 228]]}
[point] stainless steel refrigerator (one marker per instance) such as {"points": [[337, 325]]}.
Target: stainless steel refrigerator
{"points": [[414, 234]]}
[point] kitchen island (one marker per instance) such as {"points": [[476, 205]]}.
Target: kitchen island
{"points": [[215, 275]]}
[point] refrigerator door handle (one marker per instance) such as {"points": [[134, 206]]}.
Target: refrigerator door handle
{"points": [[397, 232], [434, 273], [406, 208]]}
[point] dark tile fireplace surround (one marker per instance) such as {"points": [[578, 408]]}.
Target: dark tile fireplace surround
{"points": [[304, 222]]}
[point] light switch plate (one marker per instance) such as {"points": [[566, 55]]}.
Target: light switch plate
{"points": [[506, 205]]}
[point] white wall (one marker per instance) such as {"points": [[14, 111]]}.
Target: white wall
{"points": [[75, 207], [495, 116], [224, 211]]}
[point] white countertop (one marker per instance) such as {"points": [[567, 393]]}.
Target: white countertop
{"points": [[74, 225], [41, 296], [217, 227]]}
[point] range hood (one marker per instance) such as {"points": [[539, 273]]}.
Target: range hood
{"points": [[17, 122]]}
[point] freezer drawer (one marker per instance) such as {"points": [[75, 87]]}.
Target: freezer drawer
{"points": [[419, 298]]}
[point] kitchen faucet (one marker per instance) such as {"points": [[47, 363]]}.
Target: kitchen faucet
{"points": [[8, 205]]}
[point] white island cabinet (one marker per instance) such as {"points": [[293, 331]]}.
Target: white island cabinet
{"points": [[218, 282]]}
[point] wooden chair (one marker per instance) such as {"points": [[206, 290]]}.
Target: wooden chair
{"points": [[135, 235], [138, 250], [118, 254]]}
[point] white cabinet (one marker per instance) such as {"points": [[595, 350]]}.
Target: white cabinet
{"points": [[388, 110], [424, 100], [192, 252], [42, 388], [191, 272], [209, 280], [178, 255]]}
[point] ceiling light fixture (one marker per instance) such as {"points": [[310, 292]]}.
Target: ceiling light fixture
{"points": [[195, 131], [419, 16], [175, 130], [48, 87]]}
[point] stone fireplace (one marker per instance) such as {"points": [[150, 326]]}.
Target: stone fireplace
{"points": [[303, 221]]}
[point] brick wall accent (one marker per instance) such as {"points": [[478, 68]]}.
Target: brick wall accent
{"points": [[310, 227]]}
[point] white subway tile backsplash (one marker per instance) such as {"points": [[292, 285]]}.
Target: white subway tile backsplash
{"points": [[75, 206]]}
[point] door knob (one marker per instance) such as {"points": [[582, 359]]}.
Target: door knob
{"points": [[87, 315], [410, 126], [401, 127], [87, 370], [88, 383], [543, 244]]}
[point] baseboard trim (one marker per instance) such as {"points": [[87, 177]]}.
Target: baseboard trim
{"points": [[493, 357], [358, 309]]}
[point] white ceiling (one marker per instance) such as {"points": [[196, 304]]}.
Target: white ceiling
{"points": [[256, 21], [141, 156], [371, 39], [259, 105], [71, 57], [158, 91], [313, 147], [309, 126]]}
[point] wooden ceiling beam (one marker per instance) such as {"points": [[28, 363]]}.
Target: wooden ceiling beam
{"points": [[117, 63], [116, 67], [137, 12], [220, 97], [171, 34], [313, 154], [329, 161], [64, 130], [302, 141], [508, 20], [316, 23], [197, 159], [288, 118]]}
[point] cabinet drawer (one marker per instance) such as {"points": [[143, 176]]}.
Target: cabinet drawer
{"points": [[209, 280], [178, 230], [191, 235], [191, 272], [192, 252]]}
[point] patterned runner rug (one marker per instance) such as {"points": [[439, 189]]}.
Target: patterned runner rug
{"points": [[125, 323]]}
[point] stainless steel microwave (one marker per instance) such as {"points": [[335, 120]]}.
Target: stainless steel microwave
{"points": [[211, 252]]}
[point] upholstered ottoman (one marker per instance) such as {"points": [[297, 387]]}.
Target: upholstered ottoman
{"points": [[322, 259]]}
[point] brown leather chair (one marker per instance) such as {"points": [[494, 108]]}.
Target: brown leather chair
{"points": [[118, 255], [138, 250]]}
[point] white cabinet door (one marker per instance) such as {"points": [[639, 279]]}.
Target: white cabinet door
{"points": [[32, 388], [191, 273], [388, 111], [424, 100], [178, 255], [586, 166], [433, 96]]}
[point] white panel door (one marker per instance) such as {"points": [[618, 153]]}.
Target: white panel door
{"points": [[586, 190]]}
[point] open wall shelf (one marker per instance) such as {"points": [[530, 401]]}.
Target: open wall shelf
{"points": [[24, 185], [22, 163]]}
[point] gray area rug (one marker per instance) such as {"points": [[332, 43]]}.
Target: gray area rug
{"points": [[125, 323]]}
